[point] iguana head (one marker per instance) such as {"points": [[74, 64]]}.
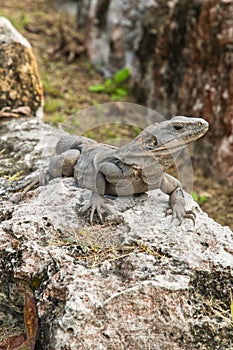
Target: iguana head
{"points": [[170, 136], [159, 144]]}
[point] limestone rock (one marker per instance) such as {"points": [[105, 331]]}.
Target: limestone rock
{"points": [[181, 60], [137, 282], [26, 145], [20, 83]]}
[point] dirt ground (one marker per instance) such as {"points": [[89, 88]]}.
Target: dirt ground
{"points": [[67, 74]]}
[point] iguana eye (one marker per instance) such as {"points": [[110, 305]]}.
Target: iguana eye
{"points": [[178, 127]]}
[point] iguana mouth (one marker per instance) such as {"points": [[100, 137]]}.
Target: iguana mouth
{"points": [[188, 137], [196, 133]]}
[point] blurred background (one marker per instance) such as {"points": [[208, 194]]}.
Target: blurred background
{"points": [[173, 56]]}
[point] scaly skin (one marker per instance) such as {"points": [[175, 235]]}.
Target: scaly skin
{"points": [[134, 168]]}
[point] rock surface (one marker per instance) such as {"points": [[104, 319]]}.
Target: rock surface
{"points": [[181, 57], [137, 282], [20, 83]]}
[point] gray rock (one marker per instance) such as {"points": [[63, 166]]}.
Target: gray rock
{"points": [[137, 282], [9, 34]]}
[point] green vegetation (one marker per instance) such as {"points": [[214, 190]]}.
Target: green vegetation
{"points": [[199, 198], [136, 130], [49, 89], [20, 21], [53, 105], [113, 86], [24, 20], [16, 176], [108, 132], [119, 132]]}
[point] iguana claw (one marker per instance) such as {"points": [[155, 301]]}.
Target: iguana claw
{"points": [[181, 214], [177, 205], [38, 180], [96, 203]]}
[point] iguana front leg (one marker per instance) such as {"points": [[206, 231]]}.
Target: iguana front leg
{"points": [[106, 171], [96, 202], [171, 186]]}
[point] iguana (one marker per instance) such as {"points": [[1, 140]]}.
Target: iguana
{"points": [[134, 168]]}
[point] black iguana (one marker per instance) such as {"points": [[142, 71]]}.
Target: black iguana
{"points": [[134, 168]]}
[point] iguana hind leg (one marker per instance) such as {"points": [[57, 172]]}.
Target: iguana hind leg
{"points": [[63, 164], [59, 166]]}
